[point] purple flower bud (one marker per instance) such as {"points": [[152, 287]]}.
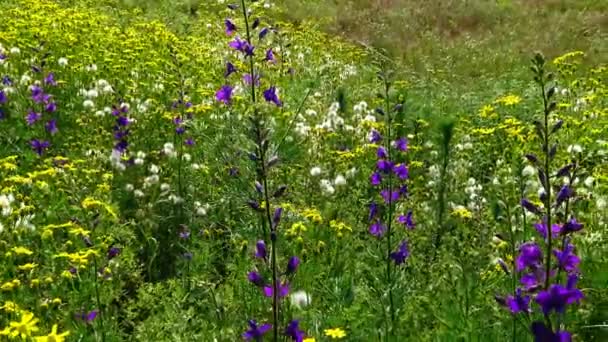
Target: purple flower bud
{"points": [[292, 265], [564, 193], [113, 252], [277, 217], [530, 207], [255, 278], [260, 249]]}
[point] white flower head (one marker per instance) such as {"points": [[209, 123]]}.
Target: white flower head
{"points": [[315, 171], [300, 299], [340, 180], [62, 61]]}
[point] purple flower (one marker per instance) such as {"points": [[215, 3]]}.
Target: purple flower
{"points": [[401, 144], [530, 255], [564, 193], [407, 220], [255, 278], [270, 95], [51, 126], [87, 317], [248, 80], [32, 117], [571, 226], [189, 142], [50, 107], [567, 260], [184, 234], [39, 146], [518, 303], [230, 27], [384, 165], [292, 265], [292, 330], [544, 334], [530, 207], [7, 81], [375, 137], [377, 229], [260, 249], [113, 252], [230, 69], [277, 217], [401, 254], [270, 56], [390, 196], [401, 171], [3, 97], [224, 94], [375, 178], [556, 298], [542, 229], [532, 281], [50, 79], [238, 44], [263, 33], [373, 211], [381, 152], [37, 94], [283, 290], [255, 332]]}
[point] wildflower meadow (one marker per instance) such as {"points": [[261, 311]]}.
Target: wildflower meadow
{"points": [[251, 170]]}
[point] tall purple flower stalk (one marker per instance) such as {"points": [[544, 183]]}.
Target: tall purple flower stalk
{"points": [[266, 257], [548, 275], [390, 177]]}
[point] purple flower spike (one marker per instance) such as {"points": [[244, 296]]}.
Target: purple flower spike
{"points": [[270, 95], [230, 27], [3, 97], [224, 94], [255, 332], [384, 165], [277, 216], [541, 228], [390, 196], [248, 80], [401, 254], [557, 298]]}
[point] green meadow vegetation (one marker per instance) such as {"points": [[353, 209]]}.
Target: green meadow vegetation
{"points": [[225, 170]]}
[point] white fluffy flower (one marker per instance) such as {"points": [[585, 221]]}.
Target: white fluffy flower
{"points": [[575, 149], [62, 61], [315, 171], [340, 180], [589, 182], [528, 171], [154, 169], [165, 187], [129, 187], [88, 104], [300, 299], [92, 93], [92, 67], [15, 51], [138, 193]]}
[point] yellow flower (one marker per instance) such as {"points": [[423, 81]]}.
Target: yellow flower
{"points": [[462, 212], [9, 306], [309, 339], [27, 267], [53, 336], [26, 327], [335, 333], [509, 100], [22, 251]]}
